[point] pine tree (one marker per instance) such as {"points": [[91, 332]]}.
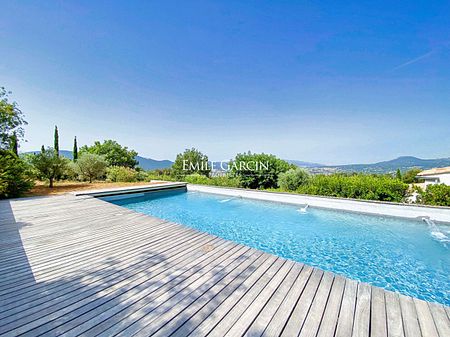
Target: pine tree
{"points": [[56, 145], [75, 149], [14, 145], [398, 175]]}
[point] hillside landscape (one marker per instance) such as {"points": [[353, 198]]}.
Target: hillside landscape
{"points": [[403, 163]]}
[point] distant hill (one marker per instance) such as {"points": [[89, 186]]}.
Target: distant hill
{"points": [[64, 153], [403, 163], [153, 164], [145, 163], [300, 163]]}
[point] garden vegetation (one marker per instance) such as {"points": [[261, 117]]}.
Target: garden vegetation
{"points": [[15, 174], [356, 186]]}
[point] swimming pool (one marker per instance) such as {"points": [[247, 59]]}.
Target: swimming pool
{"points": [[402, 255]]}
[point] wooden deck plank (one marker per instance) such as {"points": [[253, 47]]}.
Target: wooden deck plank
{"points": [[440, 319], [331, 314], [284, 311], [378, 318], [426, 321], [157, 303], [235, 313], [314, 318], [247, 318], [409, 316], [78, 265], [361, 323], [298, 316], [214, 317], [173, 320], [158, 321], [347, 311], [260, 324], [186, 325], [393, 315]]}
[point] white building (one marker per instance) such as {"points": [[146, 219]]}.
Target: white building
{"points": [[440, 175]]}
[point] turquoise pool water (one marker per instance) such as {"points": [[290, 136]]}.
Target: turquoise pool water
{"points": [[400, 255]]}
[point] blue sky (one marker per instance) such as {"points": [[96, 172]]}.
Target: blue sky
{"points": [[322, 81]]}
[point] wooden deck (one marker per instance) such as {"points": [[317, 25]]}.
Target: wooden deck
{"points": [[80, 266]]}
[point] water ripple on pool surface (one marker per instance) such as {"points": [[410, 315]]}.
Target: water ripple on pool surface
{"points": [[395, 254]]}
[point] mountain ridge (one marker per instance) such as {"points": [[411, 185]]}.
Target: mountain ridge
{"points": [[301, 163], [403, 163]]}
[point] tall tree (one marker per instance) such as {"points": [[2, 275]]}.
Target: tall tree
{"points": [[398, 174], [56, 142], [114, 153], [49, 165], [258, 170], [75, 149], [42, 149], [189, 162], [14, 145], [11, 120]]}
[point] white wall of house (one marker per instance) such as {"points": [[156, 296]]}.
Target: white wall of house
{"points": [[443, 178]]}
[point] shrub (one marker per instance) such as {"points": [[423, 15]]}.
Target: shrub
{"points": [[214, 181], [437, 195], [15, 176], [358, 186], [122, 174], [258, 171], [294, 178], [152, 176], [161, 172], [90, 166]]}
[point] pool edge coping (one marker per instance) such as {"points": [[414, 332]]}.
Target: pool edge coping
{"points": [[130, 189]]}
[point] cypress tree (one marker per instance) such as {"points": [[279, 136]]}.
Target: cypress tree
{"points": [[75, 149], [42, 149], [56, 145], [398, 174], [14, 145]]}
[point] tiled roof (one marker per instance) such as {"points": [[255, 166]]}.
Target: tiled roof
{"points": [[433, 171]]}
